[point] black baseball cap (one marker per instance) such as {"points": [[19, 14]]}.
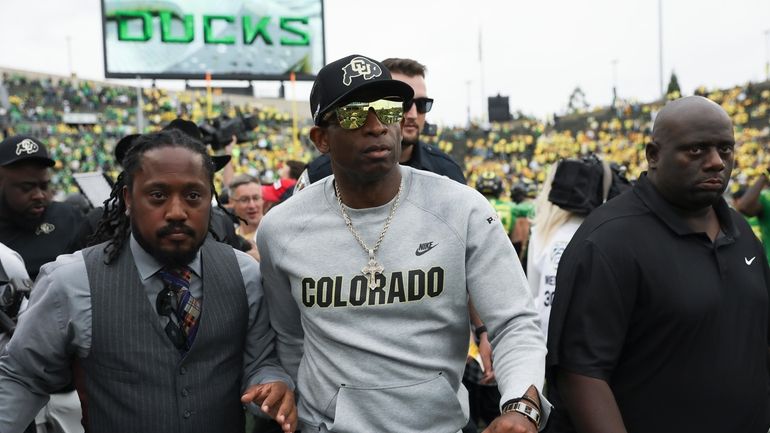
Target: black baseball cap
{"points": [[22, 148], [353, 78]]}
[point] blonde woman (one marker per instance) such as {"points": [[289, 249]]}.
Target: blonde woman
{"points": [[552, 230], [573, 188]]}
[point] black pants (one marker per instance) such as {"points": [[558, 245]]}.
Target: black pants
{"points": [[484, 403]]}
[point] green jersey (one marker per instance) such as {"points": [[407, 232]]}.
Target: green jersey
{"points": [[525, 209], [505, 210]]}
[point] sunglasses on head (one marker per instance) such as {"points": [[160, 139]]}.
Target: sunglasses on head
{"points": [[165, 304], [353, 115], [423, 105]]}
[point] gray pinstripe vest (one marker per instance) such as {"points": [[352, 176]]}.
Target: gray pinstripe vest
{"points": [[136, 380]]}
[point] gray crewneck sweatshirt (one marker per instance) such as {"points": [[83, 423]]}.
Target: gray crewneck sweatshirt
{"points": [[391, 359]]}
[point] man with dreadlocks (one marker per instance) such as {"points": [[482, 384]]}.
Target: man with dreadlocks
{"points": [[168, 328], [221, 221]]}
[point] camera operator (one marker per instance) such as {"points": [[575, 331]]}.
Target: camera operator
{"points": [[59, 415]]}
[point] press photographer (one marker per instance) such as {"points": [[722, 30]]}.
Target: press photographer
{"points": [[14, 292]]}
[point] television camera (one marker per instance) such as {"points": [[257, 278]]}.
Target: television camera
{"points": [[218, 132], [12, 293]]}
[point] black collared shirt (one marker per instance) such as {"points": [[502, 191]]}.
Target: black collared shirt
{"points": [[676, 324], [55, 235], [424, 157]]}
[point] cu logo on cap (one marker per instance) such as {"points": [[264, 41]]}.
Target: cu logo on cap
{"points": [[26, 146], [360, 67]]}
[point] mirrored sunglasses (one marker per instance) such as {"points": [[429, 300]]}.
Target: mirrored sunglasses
{"points": [[353, 115], [423, 105]]}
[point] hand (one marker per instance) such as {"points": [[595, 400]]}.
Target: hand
{"points": [[253, 252], [485, 351], [512, 422], [276, 400]]}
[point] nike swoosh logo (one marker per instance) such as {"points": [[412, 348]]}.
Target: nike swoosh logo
{"points": [[422, 249], [749, 262]]}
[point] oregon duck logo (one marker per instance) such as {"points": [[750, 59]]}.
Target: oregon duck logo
{"points": [[360, 67]]}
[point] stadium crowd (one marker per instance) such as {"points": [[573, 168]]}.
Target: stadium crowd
{"points": [[519, 151], [37, 107]]}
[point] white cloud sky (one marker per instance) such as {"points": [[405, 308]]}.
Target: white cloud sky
{"points": [[535, 52]]}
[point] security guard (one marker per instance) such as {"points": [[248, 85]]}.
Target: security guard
{"points": [[39, 230], [31, 224]]}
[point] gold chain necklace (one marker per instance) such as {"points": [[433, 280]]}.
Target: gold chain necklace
{"points": [[372, 268]]}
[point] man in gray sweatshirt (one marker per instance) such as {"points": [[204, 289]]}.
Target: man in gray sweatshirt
{"points": [[367, 274]]}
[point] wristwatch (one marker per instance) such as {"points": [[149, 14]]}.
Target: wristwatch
{"points": [[479, 330], [520, 406]]}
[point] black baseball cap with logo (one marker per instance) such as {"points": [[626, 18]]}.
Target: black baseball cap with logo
{"points": [[23, 148], [354, 78]]}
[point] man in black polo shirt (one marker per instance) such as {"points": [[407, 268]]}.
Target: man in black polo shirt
{"points": [[39, 230], [414, 153], [660, 323], [30, 223]]}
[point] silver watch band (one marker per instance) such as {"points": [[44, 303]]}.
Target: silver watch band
{"points": [[525, 409]]}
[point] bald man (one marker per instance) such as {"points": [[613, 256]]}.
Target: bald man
{"points": [[661, 319]]}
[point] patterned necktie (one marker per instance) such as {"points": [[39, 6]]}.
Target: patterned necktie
{"points": [[188, 308]]}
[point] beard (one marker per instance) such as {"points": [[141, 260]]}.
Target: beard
{"points": [[18, 219], [170, 259], [410, 141]]}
